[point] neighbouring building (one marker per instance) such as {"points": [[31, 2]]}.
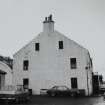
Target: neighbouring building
{"points": [[98, 84], [52, 59], [5, 71], [102, 87]]}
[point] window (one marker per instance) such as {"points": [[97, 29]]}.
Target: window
{"points": [[55, 88], [74, 83], [25, 83], [73, 63], [37, 46], [25, 64], [60, 44]]}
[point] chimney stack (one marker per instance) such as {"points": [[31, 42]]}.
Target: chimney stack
{"points": [[48, 24]]}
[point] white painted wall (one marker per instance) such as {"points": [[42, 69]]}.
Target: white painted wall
{"points": [[51, 66], [2, 81], [8, 76]]}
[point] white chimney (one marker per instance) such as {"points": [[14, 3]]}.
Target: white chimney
{"points": [[48, 24]]}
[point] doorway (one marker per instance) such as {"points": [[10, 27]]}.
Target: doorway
{"points": [[25, 83], [74, 84]]}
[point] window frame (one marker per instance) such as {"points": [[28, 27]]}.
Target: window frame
{"points": [[37, 46], [25, 65], [61, 44], [73, 63]]}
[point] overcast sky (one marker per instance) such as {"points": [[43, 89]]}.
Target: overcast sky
{"points": [[81, 20]]}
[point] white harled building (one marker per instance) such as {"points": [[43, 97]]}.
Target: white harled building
{"points": [[52, 59], [5, 75]]}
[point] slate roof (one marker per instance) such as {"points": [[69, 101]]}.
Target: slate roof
{"points": [[2, 72]]}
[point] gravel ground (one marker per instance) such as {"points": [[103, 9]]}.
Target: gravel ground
{"points": [[45, 100]]}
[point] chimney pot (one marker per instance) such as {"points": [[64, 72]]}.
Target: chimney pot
{"points": [[48, 24]]}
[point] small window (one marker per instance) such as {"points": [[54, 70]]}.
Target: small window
{"points": [[60, 44], [25, 64], [37, 46], [25, 83], [73, 63]]}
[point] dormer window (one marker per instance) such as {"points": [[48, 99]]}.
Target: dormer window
{"points": [[60, 44], [37, 45]]}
